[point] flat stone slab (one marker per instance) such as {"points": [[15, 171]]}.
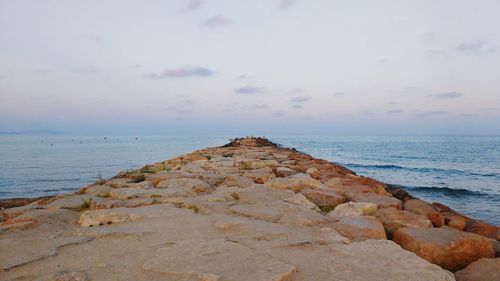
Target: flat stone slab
{"points": [[359, 228], [481, 270], [445, 246], [217, 260], [380, 200], [394, 219]]}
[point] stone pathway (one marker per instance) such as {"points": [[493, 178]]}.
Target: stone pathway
{"points": [[249, 210]]}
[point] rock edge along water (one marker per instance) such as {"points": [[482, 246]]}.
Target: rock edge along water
{"points": [[249, 210]]}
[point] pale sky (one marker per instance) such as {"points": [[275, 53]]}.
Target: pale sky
{"points": [[251, 66]]}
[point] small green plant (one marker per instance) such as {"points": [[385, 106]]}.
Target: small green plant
{"points": [[228, 154], [86, 205], [138, 177], [208, 156], [100, 180], [246, 166]]}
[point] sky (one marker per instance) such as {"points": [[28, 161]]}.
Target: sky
{"points": [[250, 67]]}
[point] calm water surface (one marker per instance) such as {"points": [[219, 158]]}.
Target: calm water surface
{"points": [[462, 172]]}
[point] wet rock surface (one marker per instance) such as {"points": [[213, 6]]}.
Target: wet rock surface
{"points": [[250, 210]]}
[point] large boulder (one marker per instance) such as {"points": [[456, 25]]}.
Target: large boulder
{"points": [[217, 259], [423, 208], [445, 246], [381, 201], [394, 219], [482, 228], [195, 185], [284, 172], [295, 183], [352, 209], [481, 270], [239, 181], [454, 220], [358, 228], [324, 198]]}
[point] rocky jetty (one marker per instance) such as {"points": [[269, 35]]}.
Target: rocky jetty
{"points": [[249, 210]]}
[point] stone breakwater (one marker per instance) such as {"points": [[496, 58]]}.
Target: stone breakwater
{"points": [[249, 210]]}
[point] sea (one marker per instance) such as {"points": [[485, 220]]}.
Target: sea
{"points": [[462, 172]]}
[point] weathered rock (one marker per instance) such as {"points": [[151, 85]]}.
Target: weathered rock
{"points": [[447, 247], [301, 200], [374, 260], [380, 200], [239, 181], [260, 194], [353, 209], [482, 228], [453, 220], [71, 276], [196, 185], [270, 212], [72, 202], [116, 215], [324, 198], [314, 173], [483, 269], [260, 176], [422, 208], [293, 183], [217, 260], [358, 228], [394, 219], [284, 172]]}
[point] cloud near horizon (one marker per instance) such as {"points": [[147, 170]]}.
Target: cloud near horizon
{"points": [[217, 21], [194, 5], [181, 72], [249, 90], [477, 47], [447, 95], [286, 4], [300, 99], [432, 113]]}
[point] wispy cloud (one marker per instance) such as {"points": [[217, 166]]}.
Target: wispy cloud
{"points": [[468, 115], [297, 106], [193, 5], [297, 90], [85, 71], [491, 109], [181, 72], [446, 95], [286, 4], [395, 111], [249, 90], [367, 112], [338, 94], [432, 113], [92, 37], [243, 77], [217, 21], [300, 99], [475, 47], [279, 113], [260, 106]]}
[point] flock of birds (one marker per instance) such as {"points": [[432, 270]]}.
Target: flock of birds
{"points": [[73, 140]]}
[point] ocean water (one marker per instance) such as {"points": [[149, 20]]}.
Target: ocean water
{"points": [[461, 172]]}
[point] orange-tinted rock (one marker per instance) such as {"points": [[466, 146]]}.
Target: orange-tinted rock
{"points": [[325, 199], [423, 208], [454, 220], [380, 200], [399, 193], [445, 246], [481, 270], [394, 219], [314, 173], [358, 228], [483, 228]]}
